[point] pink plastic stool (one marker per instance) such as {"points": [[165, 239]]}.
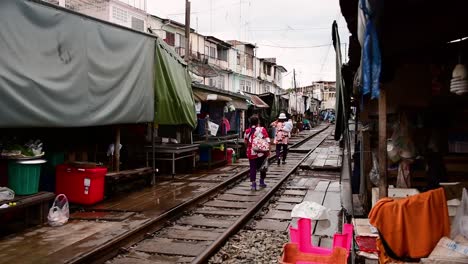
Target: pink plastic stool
{"points": [[303, 237]]}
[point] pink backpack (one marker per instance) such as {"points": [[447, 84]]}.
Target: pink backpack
{"points": [[259, 143]]}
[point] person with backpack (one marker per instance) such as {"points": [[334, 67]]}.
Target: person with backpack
{"points": [[281, 137], [258, 149]]}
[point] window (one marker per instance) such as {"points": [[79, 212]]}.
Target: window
{"points": [[242, 85], [249, 59], [207, 51], [222, 54], [238, 58], [170, 39], [248, 86], [212, 52], [267, 70], [266, 88], [220, 82], [181, 42], [119, 14], [138, 24], [212, 82]]}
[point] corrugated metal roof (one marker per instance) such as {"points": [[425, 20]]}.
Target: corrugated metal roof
{"points": [[259, 103]]}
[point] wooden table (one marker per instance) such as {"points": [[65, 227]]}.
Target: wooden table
{"points": [[173, 151]]}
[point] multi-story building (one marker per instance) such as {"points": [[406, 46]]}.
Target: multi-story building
{"points": [[127, 13], [227, 65], [324, 91]]}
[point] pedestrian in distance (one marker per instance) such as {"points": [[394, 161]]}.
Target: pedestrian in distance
{"points": [[281, 137], [258, 149]]}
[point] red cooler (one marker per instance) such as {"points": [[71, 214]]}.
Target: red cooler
{"points": [[80, 185]]}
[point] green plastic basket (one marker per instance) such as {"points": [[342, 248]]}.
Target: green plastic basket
{"points": [[23, 176]]}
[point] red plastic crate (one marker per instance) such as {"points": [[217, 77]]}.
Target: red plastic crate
{"points": [[80, 185]]}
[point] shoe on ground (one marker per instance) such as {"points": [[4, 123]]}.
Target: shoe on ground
{"points": [[253, 186], [284, 162]]}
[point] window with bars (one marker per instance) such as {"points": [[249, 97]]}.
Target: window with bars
{"points": [[119, 14], [138, 24]]}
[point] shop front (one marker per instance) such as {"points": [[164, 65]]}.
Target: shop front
{"points": [[409, 82]]}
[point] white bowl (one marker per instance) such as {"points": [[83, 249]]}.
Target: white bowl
{"points": [[460, 71]]}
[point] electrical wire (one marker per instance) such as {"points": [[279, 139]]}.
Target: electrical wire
{"points": [[295, 47]]}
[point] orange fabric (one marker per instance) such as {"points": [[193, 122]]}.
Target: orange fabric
{"points": [[412, 227], [383, 257]]}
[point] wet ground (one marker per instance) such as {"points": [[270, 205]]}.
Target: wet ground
{"points": [[61, 244]]}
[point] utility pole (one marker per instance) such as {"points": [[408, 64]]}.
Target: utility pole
{"points": [[295, 90], [187, 30]]}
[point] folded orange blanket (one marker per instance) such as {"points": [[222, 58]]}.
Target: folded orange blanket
{"points": [[412, 227]]}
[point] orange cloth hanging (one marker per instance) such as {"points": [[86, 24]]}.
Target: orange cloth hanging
{"points": [[412, 227]]}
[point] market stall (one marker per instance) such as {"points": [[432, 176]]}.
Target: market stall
{"points": [[411, 101], [90, 105], [220, 125]]}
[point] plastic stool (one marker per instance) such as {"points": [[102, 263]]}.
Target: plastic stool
{"points": [[303, 237]]}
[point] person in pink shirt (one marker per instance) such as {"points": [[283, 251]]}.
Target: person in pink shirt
{"points": [[256, 159], [281, 137]]}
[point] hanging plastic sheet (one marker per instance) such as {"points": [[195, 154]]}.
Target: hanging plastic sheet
{"points": [[371, 58], [59, 69], [174, 102]]}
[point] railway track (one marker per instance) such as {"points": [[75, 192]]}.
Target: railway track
{"points": [[195, 230]]}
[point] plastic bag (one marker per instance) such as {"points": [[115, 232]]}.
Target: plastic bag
{"points": [[311, 210], [264, 167], [6, 194], [374, 173], [460, 222], [59, 212], [288, 126]]}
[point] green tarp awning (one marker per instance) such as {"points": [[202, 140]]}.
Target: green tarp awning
{"points": [[174, 104]]}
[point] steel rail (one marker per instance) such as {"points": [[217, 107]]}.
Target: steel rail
{"points": [[247, 216], [111, 248]]}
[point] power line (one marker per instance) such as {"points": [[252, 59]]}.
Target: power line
{"points": [[295, 47], [291, 29]]}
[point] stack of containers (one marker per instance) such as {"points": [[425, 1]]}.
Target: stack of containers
{"points": [[459, 82]]}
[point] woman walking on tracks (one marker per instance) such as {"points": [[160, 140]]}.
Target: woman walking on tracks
{"points": [[258, 149], [281, 137]]}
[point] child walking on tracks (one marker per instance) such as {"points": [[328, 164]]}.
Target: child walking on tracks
{"points": [[258, 149]]}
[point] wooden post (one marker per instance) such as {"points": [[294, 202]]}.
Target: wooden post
{"points": [[116, 150], [366, 156], [383, 188]]}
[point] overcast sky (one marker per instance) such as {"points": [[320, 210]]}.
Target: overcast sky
{"points": [[279, 28]]}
